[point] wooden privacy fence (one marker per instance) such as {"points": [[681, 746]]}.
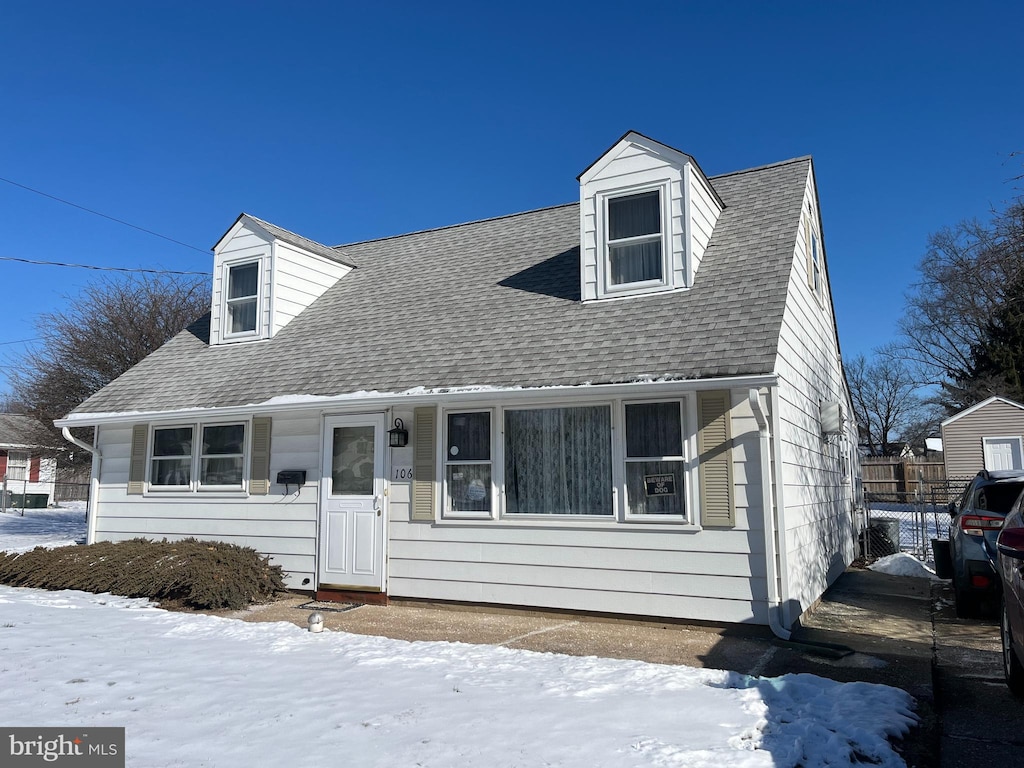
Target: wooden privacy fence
{"points": [[903, 477]]}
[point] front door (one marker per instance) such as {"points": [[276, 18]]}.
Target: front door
{"points": [[352, 503]]}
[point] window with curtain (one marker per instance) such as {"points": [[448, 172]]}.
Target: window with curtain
{"points": [[634, 238], [467, 477], [243, 289], [17, 465], [655, 467], [558, 461]]}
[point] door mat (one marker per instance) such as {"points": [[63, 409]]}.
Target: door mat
{"points": [[326, 605]]}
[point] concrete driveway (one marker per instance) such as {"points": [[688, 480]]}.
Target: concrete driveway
{"points": [[868, 627]]}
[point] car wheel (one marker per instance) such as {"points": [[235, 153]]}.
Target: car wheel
{"points": [[1012, 668], [966, 603]]}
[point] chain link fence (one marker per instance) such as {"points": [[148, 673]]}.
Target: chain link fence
{"points": [[907, 521]]}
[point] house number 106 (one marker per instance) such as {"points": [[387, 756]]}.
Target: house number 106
{"points": [[401, 473]]}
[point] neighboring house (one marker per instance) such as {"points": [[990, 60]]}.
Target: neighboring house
{"points": [[25, 475], [654, 423], [988, 435]]}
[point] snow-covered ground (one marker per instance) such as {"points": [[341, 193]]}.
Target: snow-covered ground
{"points": [[902, 564], [42, 527], [197, 690]]}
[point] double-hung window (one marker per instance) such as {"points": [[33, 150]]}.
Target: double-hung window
{"points": [[655, 459], [178, 461], [242, 298], [222, 455], [467, 474], [634, 239]]}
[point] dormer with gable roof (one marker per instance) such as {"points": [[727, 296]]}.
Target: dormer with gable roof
{"points": [[263, 277], [647, 212]]}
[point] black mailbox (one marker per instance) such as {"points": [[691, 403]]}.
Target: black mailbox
{"points": [[291, 477]]}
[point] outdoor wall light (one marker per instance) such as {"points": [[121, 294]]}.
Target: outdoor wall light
{"points": [[399, 436]]}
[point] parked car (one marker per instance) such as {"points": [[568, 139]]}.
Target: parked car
{"points": [[1010, 546], [977, 518]]}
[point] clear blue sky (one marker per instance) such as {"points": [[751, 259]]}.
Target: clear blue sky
{"points": [[346, 121]]}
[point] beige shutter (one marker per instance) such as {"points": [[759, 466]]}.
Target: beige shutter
{"points": [[259, 475], [714, 448], [137, 464], [424, 471]]}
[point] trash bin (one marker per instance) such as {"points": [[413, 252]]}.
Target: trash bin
{"points": [[882, 537], [28, 500], [943, 558]]}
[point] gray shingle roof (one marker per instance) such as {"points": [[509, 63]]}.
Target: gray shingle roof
{"points": [[16, 429], [298, 240], [496, 303]]}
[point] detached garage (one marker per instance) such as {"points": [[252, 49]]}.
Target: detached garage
{"points": [[989, 435]]}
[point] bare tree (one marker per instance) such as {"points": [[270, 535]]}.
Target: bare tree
{"points": [[969, 275], [885, 401], [107, 329]]}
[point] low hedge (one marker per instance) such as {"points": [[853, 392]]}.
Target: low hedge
{"points": [[192, 573]]}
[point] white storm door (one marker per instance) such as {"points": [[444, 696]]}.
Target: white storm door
{"points": [[1003, 453], [352, 503]]}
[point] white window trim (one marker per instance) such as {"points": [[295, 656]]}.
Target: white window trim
{"points": [[450, 514], [619, 518], [1002, 438], [195, 487], [815, 267], [605, 287], [259, 331], [689, 470]]}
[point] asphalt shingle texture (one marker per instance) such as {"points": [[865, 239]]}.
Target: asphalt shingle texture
{"points": [[496, 303]]}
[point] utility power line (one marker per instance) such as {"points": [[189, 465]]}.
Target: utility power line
{"points": [[105, 216], [101, 269]]}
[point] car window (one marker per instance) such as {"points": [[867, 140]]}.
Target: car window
{"points": [[997, 498]]}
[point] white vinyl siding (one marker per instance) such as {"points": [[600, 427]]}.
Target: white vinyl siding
{"points": [[299, 280], [279, 525], [819, 537], [611, 565], [704, 213]]}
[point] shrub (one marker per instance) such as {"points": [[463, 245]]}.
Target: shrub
{"points": [[197, 574]]}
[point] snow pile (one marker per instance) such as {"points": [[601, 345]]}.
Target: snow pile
{"points": [[42, 528], [902, 564], [200, 690]]}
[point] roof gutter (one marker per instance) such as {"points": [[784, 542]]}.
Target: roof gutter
{"points": [[80, 443], [367, 401], [771, 520]]}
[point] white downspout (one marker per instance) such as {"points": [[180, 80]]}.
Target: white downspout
{"points": [[94, 480], [770, 520]]}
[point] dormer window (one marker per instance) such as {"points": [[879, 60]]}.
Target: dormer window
{"points": [[635, 239], [647, 213], [243, 298]]}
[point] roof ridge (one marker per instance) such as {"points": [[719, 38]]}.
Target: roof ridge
{"points": [[762, 167], [454, 226]]}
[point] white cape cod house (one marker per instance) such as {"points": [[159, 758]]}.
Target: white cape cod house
{"points": [[633, 404]]}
